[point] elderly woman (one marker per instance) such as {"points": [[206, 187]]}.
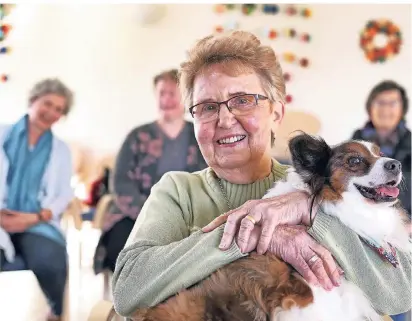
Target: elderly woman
{"points": [[235, 89], [387, 105], [35, 190]]}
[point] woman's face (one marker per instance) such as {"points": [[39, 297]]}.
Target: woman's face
{"points": [[214, 85], [47, 110], [386, 110], [168, 100]]}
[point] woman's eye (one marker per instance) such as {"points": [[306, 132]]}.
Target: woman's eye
{"points": [[209, 107], [354, 161]]}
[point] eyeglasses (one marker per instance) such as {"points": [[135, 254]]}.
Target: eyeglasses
{"points": [[238, 105], [390, 103]]}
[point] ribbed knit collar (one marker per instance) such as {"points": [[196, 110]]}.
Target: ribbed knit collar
{"points": [[238, 194]]}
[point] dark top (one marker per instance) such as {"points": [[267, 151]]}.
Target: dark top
{"points": [[146, 154]]}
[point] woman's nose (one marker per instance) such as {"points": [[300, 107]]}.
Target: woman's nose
{"points": [[226, 118]]}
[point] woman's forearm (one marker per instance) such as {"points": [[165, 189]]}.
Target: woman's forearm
{"points": [[147, 274]]}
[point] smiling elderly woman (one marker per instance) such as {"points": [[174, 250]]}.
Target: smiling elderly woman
{"points": [[235, 89]]}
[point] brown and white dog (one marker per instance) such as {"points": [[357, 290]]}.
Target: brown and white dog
{"points": [[354, 183]]}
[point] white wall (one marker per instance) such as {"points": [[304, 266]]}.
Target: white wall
{"points": [[109, 61]]}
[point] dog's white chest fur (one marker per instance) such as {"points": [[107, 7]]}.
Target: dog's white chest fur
{"points": [[344, 303], [347, 302]]}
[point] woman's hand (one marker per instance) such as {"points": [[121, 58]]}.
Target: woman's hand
{"points": [[17, 222], [288, 209], [295, 246]]}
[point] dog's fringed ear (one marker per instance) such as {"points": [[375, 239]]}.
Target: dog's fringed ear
{"points": [[310, 157]]}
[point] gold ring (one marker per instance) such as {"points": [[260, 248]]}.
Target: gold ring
{"points": [[250, 218], [313, 259]]}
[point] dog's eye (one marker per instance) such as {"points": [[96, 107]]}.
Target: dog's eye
{"points": [[352, 161]]}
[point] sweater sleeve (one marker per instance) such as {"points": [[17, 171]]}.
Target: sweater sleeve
{"points": [[128, 199], [161, 257]]}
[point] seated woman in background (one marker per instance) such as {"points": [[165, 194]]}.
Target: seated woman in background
{"points": [[387, 106], [35, 174], [149, 151]]}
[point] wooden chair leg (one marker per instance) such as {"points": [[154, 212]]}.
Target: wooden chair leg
{"points": [[66, 302], [106, 285]]}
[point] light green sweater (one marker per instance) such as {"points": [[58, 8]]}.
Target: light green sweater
{"points": [[166, 251]]}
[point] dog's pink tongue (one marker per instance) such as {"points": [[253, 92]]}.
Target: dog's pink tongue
{"points": [[388, 190]]}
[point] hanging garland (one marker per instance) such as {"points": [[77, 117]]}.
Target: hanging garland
{"points": [[385, 28], [269, 9], [291, 58], [290, 33], [4, 30]]}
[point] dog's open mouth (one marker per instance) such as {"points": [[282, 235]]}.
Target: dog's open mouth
{"points": [[382, 193]]}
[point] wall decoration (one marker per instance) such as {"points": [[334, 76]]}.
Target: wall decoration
{"points": [[293, 61], [287, 77], [270, 9], [306, 13], [291, 10], [291, 58], [4, 30], [5, 9], [220, 8], [286, 33], [4, 50], [248, 9], [390, 42]]}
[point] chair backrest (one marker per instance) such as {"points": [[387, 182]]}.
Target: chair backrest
{"points": [[101, 210], [74, 213]]}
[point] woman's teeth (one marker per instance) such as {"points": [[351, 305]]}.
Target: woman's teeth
{"points": [[231, 140]]}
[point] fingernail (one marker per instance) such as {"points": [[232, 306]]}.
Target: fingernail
{"points": [[341, 272], [222, 246]]}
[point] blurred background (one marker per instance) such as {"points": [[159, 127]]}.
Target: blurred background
{"points": [[109, 54]]}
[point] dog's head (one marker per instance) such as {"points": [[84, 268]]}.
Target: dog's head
{"points": [[353, 166]]}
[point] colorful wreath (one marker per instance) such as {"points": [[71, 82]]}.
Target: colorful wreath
{"points": [[386, 28]]}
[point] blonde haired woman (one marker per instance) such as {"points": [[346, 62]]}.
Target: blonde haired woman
{"points": [[234, 89]]}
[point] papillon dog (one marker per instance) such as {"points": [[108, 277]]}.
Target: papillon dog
{"points": [[354, 183]]}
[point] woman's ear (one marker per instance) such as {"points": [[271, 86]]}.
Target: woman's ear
{"points": [[277, 113]]}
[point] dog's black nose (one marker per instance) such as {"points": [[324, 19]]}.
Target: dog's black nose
{"points": [[393, 166]]}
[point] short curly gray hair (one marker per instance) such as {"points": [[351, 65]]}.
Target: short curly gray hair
{"points": [[52, 86]]}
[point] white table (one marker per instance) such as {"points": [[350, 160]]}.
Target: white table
{"points": [[21, 298]]}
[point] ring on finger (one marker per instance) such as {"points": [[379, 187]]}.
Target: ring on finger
{"points": [[313, 259], [250, 218]]}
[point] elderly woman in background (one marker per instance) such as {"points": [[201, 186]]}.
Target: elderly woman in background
{"points": [[235, 89], [387, 105], [149, 151], [35, 190]]}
